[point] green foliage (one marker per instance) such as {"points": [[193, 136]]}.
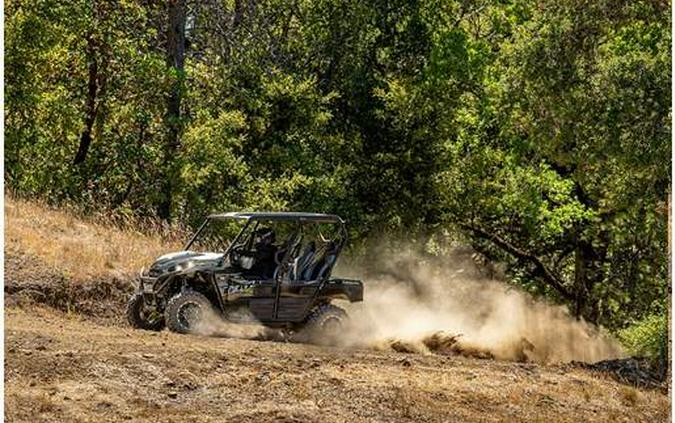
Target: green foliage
{"points": [[212, 172], [647, 337]]}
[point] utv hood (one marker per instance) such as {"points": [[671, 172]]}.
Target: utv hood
{"points": [[182, 260]]}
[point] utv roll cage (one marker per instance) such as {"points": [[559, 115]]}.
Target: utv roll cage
{"points": [[256, 217]]}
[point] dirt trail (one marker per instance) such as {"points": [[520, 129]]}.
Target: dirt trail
{"points": [[66, 368]]}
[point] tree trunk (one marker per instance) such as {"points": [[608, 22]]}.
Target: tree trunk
{"points": [[588, 272], [580, 278], [666, 355], [175, 61], [238, 14], [90, 115]]}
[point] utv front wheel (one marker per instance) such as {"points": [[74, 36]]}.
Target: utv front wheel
{"points": [[186, 311], [140, 316]]}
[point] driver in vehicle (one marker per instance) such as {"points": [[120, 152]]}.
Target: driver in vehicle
{"points": [[265, 251]]}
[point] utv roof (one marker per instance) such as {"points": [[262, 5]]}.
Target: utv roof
{"points": [[291, 216]]}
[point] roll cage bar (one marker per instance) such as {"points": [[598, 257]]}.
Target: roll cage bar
{"points": [[287, 216], [255, 217]]}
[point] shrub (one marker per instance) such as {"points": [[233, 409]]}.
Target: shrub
{"points": [[648, 338]]}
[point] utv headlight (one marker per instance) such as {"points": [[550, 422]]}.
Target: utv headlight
{"points": [[182, 267]]}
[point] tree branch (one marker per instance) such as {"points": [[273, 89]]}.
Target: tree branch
{"points": [[541, 269]]}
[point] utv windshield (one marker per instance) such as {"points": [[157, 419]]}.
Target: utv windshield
{"points": [[215, 235]]}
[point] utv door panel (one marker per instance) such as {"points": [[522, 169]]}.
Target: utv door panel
{"points": [[260, 296], [262, 308], [292, 309], [238, 289], [295, 299]]}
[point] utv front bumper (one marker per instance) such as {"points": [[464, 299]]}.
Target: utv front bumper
{"points": [[150, 286], [147, 284]]}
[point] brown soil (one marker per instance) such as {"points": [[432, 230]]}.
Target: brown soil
{"points": [[66, 368], [69, 356]]}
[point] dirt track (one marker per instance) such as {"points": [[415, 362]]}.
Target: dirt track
{"points": [[66, 368]]}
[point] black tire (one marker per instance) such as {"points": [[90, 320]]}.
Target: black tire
{"points": [[324, 325], [186, 310], [140, 317]]}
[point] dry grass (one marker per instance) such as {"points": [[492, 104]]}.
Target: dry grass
{"points": [[82, 249], [629, 396]]}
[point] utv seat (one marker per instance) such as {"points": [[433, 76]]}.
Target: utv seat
{"points": [[289, 249], [322, 262], [302, 261]]}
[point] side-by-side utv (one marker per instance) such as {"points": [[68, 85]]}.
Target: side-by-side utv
{"points": [[275, 271]]}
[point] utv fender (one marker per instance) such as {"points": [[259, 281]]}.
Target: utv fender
{"points": [[203, 281], [342, 289]]}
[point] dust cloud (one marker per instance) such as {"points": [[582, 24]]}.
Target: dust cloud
{"points": [[447, 306], [444, 306], [244, 326]]}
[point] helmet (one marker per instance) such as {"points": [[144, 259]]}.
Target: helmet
{"points": [[265, 236]]}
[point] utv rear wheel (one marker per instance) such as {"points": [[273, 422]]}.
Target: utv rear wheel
{"points": [[186, 311], [140, 316], [324, 325]]}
